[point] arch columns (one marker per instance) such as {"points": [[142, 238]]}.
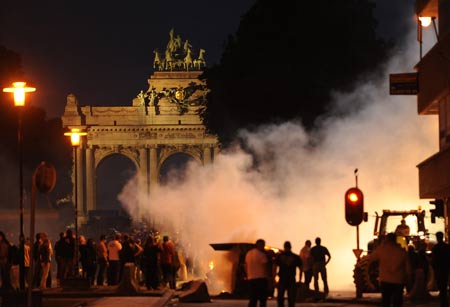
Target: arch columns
{"points": [[207, 155], [153, 171], [91, 180], [216, 151], [142, 175]]}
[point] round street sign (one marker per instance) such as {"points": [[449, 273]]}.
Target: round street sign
{"points": [[45, 177]]}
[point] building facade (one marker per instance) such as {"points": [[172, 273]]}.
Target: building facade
{"points": [[433, 98]]}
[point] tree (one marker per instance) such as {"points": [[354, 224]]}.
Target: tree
{"points": [[285, 59]]}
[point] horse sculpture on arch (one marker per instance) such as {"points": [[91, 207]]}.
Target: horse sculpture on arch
{"points": [[168, 61], [157, 63], [187, 62], [178, 56], [200, 60]]}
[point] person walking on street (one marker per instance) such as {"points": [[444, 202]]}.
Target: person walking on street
{"points": [[287, 263], [307, 261], [256, 267], [320, 256], [394, 270], [441, 266]]}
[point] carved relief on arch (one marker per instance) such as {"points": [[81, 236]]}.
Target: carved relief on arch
{"points": [[165, 152], [103, 152]]}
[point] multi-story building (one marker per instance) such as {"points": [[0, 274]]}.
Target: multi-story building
{"points": [[433, 98]]}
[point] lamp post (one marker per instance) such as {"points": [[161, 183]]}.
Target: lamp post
{"points": [[75, 138], [19, 90]]}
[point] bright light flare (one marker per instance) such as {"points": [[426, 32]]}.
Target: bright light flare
{"points": [[75, 136], [274, 249], [211, 265], [425, 21], [19, 89], [353, 197]]}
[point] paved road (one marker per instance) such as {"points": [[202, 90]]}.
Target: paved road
{"points": [[340, 299], [91, 302], [335, 300], [273, 303]]}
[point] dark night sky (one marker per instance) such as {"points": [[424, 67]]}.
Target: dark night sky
{"points": [[102, 50]]}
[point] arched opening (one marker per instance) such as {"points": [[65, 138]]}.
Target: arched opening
{"points": [[174, 168], [113, 173]]}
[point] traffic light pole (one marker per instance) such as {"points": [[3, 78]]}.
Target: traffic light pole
{"points": [[357, 239], [357, 226]]}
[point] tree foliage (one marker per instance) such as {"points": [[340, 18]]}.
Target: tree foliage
{"points": [[285, 59], [43, 139]]}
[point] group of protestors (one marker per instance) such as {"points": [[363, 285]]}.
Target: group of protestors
{"points": [[262, 266], [396, 265], [155, 263]]}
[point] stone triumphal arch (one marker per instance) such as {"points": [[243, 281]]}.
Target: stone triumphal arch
{"points": [[160, 122]]}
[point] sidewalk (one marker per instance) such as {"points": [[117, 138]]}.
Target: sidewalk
{"points": [[105, 296]]}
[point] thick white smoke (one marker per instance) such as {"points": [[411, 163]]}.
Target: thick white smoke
{"points": [[296, 192]]}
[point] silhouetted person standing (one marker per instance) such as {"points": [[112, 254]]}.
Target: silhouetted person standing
{"points": [[287, 263], [67, 254], [114, 247], [4, 263], [256, 267], [59, 251], [167, 261], [441, 266], [321, 256], [102, 260], [150, 263], [305, 255], [394, 270]]}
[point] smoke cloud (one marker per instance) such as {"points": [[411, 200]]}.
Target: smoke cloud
{"points": [[293, 186]]}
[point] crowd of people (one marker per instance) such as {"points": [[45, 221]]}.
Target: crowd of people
{"points": [[156, 263], [261, 267]]}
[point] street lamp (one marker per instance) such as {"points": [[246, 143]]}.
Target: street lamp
{"points": [[75, 138], [19, 91], [424, 22]]}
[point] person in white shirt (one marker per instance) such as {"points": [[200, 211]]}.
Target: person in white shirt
{"points": [[114, 247], [256, 267]]}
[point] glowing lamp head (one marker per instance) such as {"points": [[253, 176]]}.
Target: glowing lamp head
{"points": [[425, 21], [75, 139], [75, 136], [19, 89]]}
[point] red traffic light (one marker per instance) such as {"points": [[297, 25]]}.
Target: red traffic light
{"points": [[353, 197], [354, 206]]}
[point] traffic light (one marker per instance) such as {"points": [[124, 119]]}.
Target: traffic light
{"points": [[438, 210], [354, 206]]}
